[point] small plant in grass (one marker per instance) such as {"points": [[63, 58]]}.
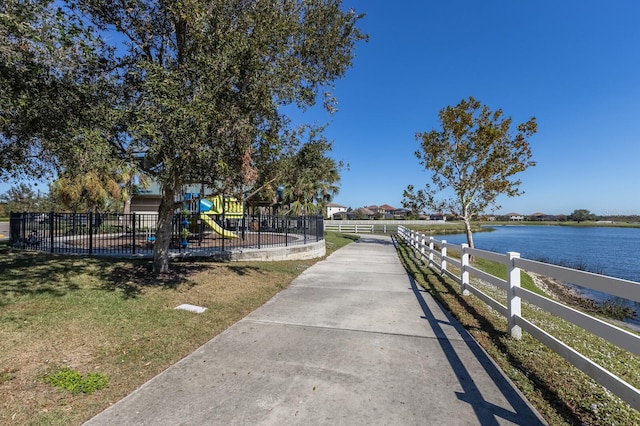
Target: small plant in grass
{"points": [[6, 376], [74, 382]]}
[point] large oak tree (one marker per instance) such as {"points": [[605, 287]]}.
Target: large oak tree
{"points": [[474, 156], [52, 68], [192, 90]]}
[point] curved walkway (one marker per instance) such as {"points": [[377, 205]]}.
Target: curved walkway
{"points": [[351, 341]]}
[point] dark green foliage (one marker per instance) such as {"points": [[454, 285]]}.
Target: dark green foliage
{"points": [[582, 215], [185, 92], [51, 67]]}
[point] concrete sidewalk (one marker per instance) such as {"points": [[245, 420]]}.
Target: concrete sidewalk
{"points": [[352, 341]]}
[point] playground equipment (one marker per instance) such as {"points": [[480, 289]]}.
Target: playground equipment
{"points": [[217, 228], [232, 208]]}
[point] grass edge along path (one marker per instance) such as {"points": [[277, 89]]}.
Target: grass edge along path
{"points": [[559, 391], [101, 316]]}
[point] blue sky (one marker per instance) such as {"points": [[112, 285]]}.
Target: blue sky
{"points": [[573, 64]]}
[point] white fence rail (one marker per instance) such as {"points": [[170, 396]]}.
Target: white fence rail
{"points": [[395, 222], [370, 226], [349, 228], [430, 249]]}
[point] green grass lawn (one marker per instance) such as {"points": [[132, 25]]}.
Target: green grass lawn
{"points": [[88, 318]]}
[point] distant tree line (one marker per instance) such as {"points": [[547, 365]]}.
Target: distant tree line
{"points": [[578, 215]]}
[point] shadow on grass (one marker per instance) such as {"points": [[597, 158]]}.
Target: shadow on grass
{"points": [[31, 274], [132, 278], [242, 270], [453, 301]]}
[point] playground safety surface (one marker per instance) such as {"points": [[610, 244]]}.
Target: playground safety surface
{"points": [[209, 240]]}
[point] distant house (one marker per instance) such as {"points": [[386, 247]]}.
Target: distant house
{"points": [[362, 213], [515, 217], [384, 211], [373, 208], [538, 216], [544, 217], [146, 200], [333, 209], [400, 213]]}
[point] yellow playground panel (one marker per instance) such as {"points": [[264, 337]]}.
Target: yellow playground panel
{"points": [[213, 205]]}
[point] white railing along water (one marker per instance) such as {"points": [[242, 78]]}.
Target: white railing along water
{"points": [[430, 249]]}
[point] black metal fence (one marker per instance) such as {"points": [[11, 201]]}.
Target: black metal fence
{"points": [[134, 234]]}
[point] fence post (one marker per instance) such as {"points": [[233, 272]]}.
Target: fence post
{"points": [[513, 301], [422, 247], [464, 271], [23, 224], [430, 250], [443, 254], [51, 231], [133, 233], [259, 227], [90, 225], [15, 220]]}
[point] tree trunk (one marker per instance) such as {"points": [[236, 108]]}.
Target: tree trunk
{"points": [[163, 233], [467, 228]]}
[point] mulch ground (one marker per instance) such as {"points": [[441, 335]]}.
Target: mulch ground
{"points": [[207, 240]]}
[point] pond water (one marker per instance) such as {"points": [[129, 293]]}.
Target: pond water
{"points": [[603, 250]]}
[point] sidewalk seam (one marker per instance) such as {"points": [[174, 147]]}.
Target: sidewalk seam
{"points": [[353, 330]]}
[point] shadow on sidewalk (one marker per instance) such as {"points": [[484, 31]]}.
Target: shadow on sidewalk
{"points": [[488, 413]]}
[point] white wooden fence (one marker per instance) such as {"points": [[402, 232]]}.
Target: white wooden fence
{"points": [[350, 228], [430, 249], [370, 226]]}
